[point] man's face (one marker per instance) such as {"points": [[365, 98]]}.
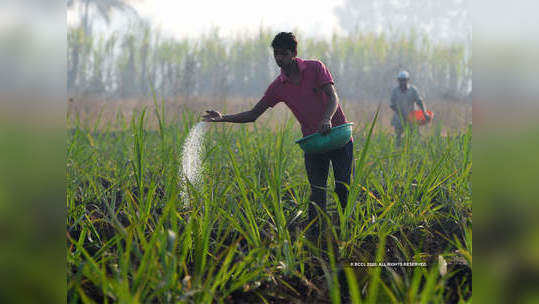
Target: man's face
{"points": [[283, 57], [403, 82]]}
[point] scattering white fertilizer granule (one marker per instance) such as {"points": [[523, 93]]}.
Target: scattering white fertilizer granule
{"points": [[192, 152]]}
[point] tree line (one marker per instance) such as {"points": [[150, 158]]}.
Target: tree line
{"points": [[364, 65]]}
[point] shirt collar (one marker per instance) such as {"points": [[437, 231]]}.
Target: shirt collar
{"points": [[301, 67]]}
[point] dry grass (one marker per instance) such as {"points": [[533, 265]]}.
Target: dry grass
{"points": [[453, 116]]}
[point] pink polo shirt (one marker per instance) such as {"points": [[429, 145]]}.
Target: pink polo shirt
{"points": [[307, 100]]}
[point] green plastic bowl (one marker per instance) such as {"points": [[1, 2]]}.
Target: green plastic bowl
{"points": [[336, 138]]}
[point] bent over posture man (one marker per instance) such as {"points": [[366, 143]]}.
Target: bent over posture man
{"points": [[307, 88]]}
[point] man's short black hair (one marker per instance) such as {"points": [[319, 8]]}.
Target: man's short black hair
{"points": [[286, 41]]}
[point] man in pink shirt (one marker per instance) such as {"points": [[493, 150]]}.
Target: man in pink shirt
{"points": [[307, 88]]}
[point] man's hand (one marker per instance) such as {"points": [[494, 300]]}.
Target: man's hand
{"points": [[212, 116], [428, 117], [325, 126]]}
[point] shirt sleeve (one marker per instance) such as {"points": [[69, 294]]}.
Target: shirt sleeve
{"points": [[270, 98], [393, 99], [324, 76], [418, 97]]}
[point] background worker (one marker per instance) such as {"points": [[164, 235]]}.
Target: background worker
{"points": [[403, 100]]}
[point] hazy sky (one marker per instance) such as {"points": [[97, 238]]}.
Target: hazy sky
{"points": [[305, 17], [191, 18]]}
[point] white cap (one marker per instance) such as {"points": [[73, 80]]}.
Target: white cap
{"points": [[403, 75]]}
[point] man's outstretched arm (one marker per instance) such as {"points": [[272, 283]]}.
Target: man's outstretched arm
{"points": [[243, 117]]}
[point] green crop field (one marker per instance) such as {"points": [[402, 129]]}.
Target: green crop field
{"points": [[138, 233]]}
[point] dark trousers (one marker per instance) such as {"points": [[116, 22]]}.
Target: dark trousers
{"points": [[317, 166]]}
